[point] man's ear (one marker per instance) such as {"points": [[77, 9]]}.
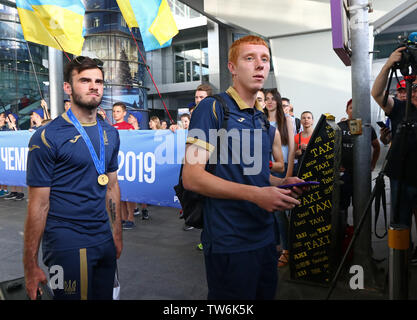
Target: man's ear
{"points": [[231, 68], [67, 88]]}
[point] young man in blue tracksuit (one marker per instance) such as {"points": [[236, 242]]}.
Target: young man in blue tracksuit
{"points": [[238, 234]]}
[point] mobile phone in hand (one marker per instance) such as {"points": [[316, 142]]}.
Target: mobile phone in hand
{"points": [[381, 124], [300, 184]]}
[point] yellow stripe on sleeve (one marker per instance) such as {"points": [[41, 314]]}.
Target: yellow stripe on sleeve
{"points": [[214, 110], [200, 143], [44, 139]]}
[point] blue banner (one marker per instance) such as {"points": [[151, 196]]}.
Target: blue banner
{"points": [[149, 163]]}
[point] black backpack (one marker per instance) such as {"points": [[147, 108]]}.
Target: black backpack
{"points": [[191, 202], [297, 125]]}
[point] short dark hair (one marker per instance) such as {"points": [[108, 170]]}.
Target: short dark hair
{"points": [[348, 103], [80, 65], [309, 113], [120, 104], [185, 115], [205, 87], [285, 99]]}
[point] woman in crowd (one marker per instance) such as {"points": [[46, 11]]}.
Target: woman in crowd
{"points": [[154, 123], [283, 123]]}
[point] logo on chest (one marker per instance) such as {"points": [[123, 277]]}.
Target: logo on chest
{"points": [[106, 141], [75, 139]]}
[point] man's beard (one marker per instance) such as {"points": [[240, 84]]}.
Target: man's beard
{"points": [[85, 105]]}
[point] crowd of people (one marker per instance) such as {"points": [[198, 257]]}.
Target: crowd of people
{"points": [[246, 218]]}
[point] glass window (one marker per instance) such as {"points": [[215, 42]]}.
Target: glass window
{"points": [[123, 22], [181, 10], [191, 61], [96, 22], [179, 70], [196, 71]]}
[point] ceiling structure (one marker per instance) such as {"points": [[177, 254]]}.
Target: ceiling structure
{"points": [[281, 18], [306, 68]]}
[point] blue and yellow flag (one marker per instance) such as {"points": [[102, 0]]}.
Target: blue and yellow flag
{"points": [[154, 19], [53, 23]]}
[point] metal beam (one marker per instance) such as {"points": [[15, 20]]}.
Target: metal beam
{"points": [[198, 5], [394, 15], [8, 3], [56, 82], [361, 98]]}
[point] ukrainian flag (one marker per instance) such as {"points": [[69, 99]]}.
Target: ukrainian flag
{"points": [[53, 23], [154, 20]]}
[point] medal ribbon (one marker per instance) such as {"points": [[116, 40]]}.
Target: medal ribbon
{"points": [[98, 163]]}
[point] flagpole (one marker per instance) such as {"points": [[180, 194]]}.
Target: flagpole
{"points": [[34, 70], [45, 109], [62, 49], [150, 74]]}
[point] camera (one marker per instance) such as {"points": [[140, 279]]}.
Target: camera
{"points": [[409, 55]]}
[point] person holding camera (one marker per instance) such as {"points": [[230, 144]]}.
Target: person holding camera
{"points": [[402, 171], [386, 138]]}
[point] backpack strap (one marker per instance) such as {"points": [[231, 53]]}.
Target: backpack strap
{"points": [[211, 167], [297, 125], [266, 121], [226, 114], [225, 108]]}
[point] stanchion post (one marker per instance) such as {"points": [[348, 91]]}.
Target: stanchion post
{"points": [[398, 243]]}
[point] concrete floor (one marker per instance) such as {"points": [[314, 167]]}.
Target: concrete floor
{"points": [[160, 261]]}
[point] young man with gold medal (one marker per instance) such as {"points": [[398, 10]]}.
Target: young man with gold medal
{"points": [[72, 178]]}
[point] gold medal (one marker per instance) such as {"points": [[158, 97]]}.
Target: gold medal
{"points": [[103, 179]]}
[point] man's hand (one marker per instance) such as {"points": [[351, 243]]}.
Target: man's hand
{"points": [[44, 104], [386, 136], [173, 127], [38, 207], [33, 276], [287, 109], [274, 199], [296, 192], [395, 57], [301, 148]]}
